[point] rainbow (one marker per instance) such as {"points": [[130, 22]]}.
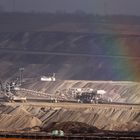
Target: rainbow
{"points": [[121, 56]]}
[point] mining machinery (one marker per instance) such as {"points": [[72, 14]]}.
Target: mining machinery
{"points": [[48, 78], [9, 91], [91, 96]]}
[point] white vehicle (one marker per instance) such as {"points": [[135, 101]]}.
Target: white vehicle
{"points": [[48, 78]]}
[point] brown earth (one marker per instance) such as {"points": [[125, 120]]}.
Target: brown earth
{"points": [[112, 54], [125, 92], [71, 127], [103, 55], [29, 117], [17, 119]]}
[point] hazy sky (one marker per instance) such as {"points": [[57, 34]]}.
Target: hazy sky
{"points": [[129, 7]]}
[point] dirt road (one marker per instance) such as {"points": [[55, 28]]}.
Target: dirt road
{"points": [[39, 103]]}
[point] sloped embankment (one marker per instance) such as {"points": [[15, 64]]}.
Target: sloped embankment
{"points": [[105, 119], [96, 56], [91, 56], [32, 118], [17, 119], [119, 91]]}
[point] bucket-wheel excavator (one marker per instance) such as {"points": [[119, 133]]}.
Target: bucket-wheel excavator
{"points": [[92, 96]]}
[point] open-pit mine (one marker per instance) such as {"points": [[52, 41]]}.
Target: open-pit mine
{"points": [[69, 79]]}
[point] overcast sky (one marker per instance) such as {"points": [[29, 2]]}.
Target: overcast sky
{"points": [[127, 7]]}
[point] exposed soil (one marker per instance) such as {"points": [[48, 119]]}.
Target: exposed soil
{"points": [[17, 119], [112, 54], [69, 118], [71, 127], [114, 58]]}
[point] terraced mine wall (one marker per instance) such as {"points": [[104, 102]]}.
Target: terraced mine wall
{"points": [[103, 51], [46, 117], [119, 92], [71, 56], [83, 55]]}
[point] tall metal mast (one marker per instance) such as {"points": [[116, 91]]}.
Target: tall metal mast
{"points": [[21, 75]]}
